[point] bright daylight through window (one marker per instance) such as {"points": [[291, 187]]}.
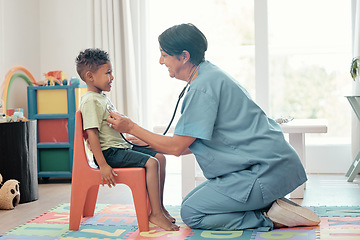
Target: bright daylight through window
{"points": [[309, 55]]}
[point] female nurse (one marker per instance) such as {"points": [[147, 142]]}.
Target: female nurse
{"points": [[248, 164]]}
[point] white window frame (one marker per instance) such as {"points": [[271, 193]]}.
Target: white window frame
{"points": [[261, 55]]}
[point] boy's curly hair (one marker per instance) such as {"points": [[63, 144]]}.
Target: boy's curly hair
{"points": [[90, 60]]}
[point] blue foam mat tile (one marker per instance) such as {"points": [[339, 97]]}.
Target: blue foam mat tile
{"points": [[40, 230], [112, 220], [23, 237], [99, 232], [207, 234], [337, 211], [287, 233], [310, 207]]}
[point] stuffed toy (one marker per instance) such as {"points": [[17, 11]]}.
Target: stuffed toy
{"points": [[9, 194]]}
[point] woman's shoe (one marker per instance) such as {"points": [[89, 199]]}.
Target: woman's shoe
{"points": [[290, 214]]}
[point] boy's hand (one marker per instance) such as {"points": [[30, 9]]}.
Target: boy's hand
{"points": [[107, 176]]}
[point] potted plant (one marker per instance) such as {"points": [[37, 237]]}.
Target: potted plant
{"points": [[354, 69]]}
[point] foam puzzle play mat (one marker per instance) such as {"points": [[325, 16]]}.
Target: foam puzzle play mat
{"points": [[119, 222]]}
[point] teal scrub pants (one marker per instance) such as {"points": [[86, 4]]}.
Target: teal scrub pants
{"points": [[205, 208]]}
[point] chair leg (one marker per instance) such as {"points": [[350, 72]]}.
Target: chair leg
{"points": [[78, 196], [140, 197], [142, 214], [90, 201]]}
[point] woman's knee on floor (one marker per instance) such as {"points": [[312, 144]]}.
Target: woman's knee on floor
{"points": [[190, 216]]}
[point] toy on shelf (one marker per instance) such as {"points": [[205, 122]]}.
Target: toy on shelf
{"points": [[13, 115], [2, 115], [74, 81], [53, 78], [9, 194], [11, 76]]}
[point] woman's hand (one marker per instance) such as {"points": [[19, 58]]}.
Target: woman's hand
{"points": [[120, 122], [136, 140]]}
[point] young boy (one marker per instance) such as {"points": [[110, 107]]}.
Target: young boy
{"points": [[108, 147]]}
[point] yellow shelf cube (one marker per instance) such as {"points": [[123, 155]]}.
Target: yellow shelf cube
{"points": [[52, 101]]}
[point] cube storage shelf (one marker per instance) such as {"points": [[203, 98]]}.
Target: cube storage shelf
{"points": [[54, 109]]}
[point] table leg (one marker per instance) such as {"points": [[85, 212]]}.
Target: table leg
{"points": [[297, 141], [354, 169]]}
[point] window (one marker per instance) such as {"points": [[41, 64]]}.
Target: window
{"points": [[309, 54], [309, 62]]}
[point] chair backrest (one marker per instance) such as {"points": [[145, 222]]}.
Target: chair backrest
{"points": [[80, 159]]}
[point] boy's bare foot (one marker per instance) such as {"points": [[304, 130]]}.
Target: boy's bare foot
{"points": [[167, 214], [162, 222]]}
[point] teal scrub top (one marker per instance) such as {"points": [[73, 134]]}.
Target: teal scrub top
{"points": [[236, 143]]}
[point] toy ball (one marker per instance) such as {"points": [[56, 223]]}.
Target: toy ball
{"points": [[9, 194], [64, 82]]}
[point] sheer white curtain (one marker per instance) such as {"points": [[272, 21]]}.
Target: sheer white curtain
{"points": [[356, 85], [117, 29]]}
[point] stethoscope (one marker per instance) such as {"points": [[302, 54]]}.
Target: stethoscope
{"points": [[111, 108]]}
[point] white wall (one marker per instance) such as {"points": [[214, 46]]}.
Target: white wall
{"points": [[42, 36], [328, 158], [19, 43], [65, 29]]}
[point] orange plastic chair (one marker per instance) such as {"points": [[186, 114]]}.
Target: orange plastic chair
{"points": [[86, 181]]}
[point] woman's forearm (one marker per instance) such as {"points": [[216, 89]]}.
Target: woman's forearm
{"points": [[174, 145]]}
